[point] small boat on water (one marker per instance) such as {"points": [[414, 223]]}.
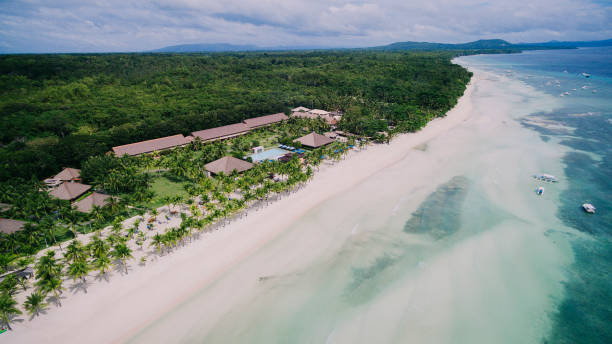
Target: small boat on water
{"points": [[540, 191], [586, 75], [589, 208], [546, 177]]}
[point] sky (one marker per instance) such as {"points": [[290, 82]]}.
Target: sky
{"points": [[41, 26]]}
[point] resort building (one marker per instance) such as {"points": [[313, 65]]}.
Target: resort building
{"points": [[300, 109], [331, 134], [227, 165], [264, 121], [69, 191], [151, 146], [304, 114], [222, 133], [320, 113], [95, 199], [66, 175], [314, 140], [8, 226], [69, 175], [330, 117]]}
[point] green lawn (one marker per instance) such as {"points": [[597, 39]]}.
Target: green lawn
{"points": [[163, 186]]}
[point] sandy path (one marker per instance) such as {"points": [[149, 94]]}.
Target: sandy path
{"points": [[112, 311]]}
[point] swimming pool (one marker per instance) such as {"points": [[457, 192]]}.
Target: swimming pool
{"points": [[270, 154]]}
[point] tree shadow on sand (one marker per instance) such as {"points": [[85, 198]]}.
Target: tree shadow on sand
{"points": [[81, 285], [120, 268], [56, 300], [103, 277], [42, 311], [13, 318]]}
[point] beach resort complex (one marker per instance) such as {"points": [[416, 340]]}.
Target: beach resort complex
{"points": [[298, 179]]}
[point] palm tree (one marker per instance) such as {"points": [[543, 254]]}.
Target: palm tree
{"points": [[97, 213], [35, 303], [158, 240], [31, 235], [9, 285], [97, 246], [131, 231], [121, 251], [175, 200], [117, 227], [154, 213], [47, 268], [135, 226], [113, 204], [8, 309], [142, 237], [102, 263], [72, 220], [78, 269], [54, 285], [75, 251]]}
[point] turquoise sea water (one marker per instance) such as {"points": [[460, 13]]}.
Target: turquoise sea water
{"points": [[449, 243], [585, 314]]}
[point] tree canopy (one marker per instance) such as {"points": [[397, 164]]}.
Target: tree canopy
{"points": [[58, 110]]}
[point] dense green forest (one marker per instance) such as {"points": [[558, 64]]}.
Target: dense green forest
{"points": [[58, 110]]}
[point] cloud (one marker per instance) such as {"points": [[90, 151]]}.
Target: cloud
{"points": [[126, 25]]}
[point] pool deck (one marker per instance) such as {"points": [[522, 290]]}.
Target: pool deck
{"points": [[268, 154]]}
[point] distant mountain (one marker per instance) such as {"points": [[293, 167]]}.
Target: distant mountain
{"points": [[492, 44], [201, 48], [477, 45], [224, 47], [576, 44]]}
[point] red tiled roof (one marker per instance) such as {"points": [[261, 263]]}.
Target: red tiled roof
{"points": [[265, 120], [69, 191], [227, 165], [68, 174], [95, 199], [151, 145], [314, 140], [8, 226], [221, 132]]}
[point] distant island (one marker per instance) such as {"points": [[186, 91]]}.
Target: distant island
{"points": [[493, 44], [483, 44]]}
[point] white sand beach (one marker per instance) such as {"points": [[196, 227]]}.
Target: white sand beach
{"points": [[113, 310], [232, 284]]}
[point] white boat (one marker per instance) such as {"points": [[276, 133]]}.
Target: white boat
{"points": [[589, 208], [546, 177], [586, 75], [540, 191]]}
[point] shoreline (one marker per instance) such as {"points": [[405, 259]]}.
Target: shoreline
{"points": [[175, 277]]}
